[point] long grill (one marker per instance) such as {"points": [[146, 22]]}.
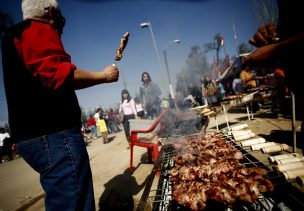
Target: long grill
{"points": [[161, 198]]}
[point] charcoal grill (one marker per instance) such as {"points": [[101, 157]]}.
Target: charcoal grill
{"points": [[285, 196]]}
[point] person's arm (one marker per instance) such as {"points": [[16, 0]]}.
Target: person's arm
{"points": [[270, 47], [202, 91], [120, 108], [133, 107], [83, 78], [141, 95], [256, 77], [45, 58], [156, 89]]}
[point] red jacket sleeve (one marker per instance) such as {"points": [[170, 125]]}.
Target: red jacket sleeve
{"points": [[42, 51]]}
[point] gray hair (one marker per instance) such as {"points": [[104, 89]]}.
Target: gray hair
{"points": [[36, 8]]}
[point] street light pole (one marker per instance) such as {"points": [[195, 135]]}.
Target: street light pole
{"points": [[148, 24], [166, 61]]}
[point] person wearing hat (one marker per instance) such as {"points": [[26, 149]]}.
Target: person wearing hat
{"points": [[39, 75]]}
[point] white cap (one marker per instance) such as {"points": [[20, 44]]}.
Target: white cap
{"points": [[36, 8]]}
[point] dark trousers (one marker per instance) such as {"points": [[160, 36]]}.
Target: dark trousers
{"points": [[6, 149], [126, 125], [63, 163]]}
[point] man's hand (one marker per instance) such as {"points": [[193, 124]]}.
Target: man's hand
{"points": [[265, 35], [111, 73]]}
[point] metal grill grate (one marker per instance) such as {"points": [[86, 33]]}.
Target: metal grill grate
{"points": [[161, 198]]}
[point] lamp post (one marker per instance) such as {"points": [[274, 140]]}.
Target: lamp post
{"points": [[166, 61], [148, 24]]}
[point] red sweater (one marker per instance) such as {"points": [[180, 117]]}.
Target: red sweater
{"points": [[91, 121], [35, 67]]}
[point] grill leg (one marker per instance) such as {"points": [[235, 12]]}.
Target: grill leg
{"points": [[131, 158], [217, 128], [248, 113], [149, 154], [225, 113]]}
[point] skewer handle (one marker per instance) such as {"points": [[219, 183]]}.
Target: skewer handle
{"points": [[243, 137], [290, 166], [274, 158], [292, 174], [289, 160], [251, 142], [275, 148]]}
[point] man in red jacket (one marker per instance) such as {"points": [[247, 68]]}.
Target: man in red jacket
{"points": [[92, 126], [39, 75]]}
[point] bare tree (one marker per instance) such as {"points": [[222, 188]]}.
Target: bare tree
{"points": [[266, 11], [216, 45]]}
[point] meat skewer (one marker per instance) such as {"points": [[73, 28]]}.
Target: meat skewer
{"points": [[123, 43], [208, 168]]}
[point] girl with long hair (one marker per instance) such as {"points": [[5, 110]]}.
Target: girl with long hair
{"points": [[127, 109]]}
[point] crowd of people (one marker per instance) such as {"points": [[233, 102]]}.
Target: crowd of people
{"points": [[101, 123], [149, 103]]}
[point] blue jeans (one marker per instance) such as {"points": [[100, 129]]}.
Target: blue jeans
{"points": [[93, 129], [62, 161]]}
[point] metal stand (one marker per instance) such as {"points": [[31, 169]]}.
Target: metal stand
{"points": [[248, 112], [217, 128], [251, 111], [293, 126], [226, 118]]}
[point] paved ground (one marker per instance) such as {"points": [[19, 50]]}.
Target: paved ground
{"points": [[113, 185]]}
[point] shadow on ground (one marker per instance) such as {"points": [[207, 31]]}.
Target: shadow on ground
{"points": [[283, 137], [119, 192]]}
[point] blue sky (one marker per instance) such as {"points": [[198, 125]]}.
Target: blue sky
{"points": [[94, 28]]}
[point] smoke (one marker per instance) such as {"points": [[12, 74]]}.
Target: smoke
{"points": [[196, 67], [179, 123]]}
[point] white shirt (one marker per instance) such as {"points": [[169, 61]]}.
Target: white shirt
{"points": [[97, 118], [127, 108], [2, 137], [139, 107]]}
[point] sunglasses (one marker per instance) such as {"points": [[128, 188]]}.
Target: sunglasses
{"points": [[56, 15]]}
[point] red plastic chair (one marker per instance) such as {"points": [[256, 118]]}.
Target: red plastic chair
{"points": [[151, 147]]}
